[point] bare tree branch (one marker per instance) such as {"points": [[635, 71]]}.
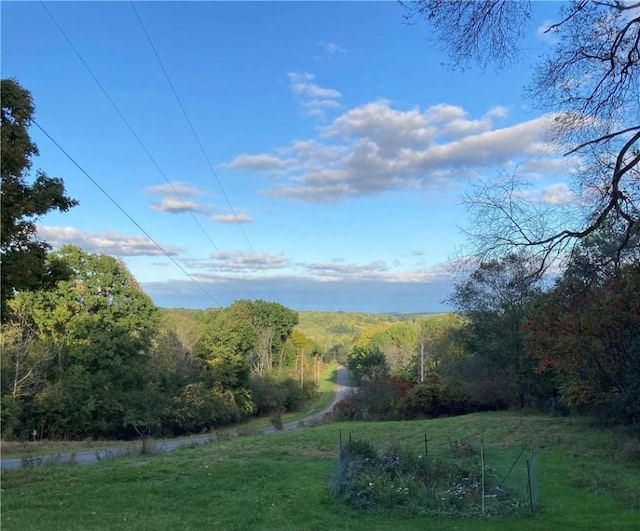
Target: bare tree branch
{"points": [[591, 82]]}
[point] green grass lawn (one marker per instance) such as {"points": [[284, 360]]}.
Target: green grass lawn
{"points": [[589, 478]]}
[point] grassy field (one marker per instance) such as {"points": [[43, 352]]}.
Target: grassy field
{"points": [[589, 478]]}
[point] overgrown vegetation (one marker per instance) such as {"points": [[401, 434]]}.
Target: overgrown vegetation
{"points": [[401, 478]]}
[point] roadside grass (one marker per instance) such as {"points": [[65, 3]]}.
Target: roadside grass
{"points": [[34, 449], [589, 478]]}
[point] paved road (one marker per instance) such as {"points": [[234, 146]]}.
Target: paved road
{"points": [[342, 388]]}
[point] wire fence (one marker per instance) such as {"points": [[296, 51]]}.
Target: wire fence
{"points": [[462, 478]]}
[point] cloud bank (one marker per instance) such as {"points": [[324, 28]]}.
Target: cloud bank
{"points": [[376, 148]]}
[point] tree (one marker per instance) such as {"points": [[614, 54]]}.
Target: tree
{"points": [[398, 342], [96, 329], [274, 323], [365, 361], [495, 300], [227, 341], [24, 259], [586, 333], [589, 86]]}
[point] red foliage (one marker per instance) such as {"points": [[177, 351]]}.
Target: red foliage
{"points": [[586, 334], [401, 387]]}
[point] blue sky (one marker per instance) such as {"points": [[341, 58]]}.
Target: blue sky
{"points": [[339, 144]]}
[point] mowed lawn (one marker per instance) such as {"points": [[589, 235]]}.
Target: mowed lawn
{"points": [[589, 478]]}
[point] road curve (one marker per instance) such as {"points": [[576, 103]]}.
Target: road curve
{"points": [[342, 387]]}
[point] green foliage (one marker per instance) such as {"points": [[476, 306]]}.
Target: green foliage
{"points": [[273, 394], [339, 330], [199, 408], [495, 300], [226, 344], [398, 341], [220, 364], [24, 259], [372, 400], [93, 334], [274, 324], [10, 412], [297, 346], [243, 339], [363, 361], [433, 398]]}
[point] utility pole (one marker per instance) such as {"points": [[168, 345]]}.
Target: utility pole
{"points": [[302, 368], [421, 362]]}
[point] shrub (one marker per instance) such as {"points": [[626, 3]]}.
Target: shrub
{"points": [[271, 394], [432, 399]]}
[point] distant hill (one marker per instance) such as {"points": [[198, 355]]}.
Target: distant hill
{"points": [[344, 328], [325, 328]]}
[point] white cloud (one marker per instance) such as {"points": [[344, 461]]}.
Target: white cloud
{"points": [[301, 84], [557, 194], [110, 243], [314, 99], [375, 148], [231, 218], [542, 167], [545, 34], [321, 104], [174, 188], [497, 112], [243, 261], [173, 205], [339, 270], [332, 47], [335, 285], [257, 162], [173, 200]]}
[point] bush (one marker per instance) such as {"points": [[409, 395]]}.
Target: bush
{"points": [[432, 399], [200, 408], [266, 395], [271, 394]]}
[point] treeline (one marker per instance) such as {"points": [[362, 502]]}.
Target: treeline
{"points": [[517, 341], [91, 356]]}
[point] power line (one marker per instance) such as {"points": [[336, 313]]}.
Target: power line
{"points": [[126, 122], [164, 251], [195, 134]]}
